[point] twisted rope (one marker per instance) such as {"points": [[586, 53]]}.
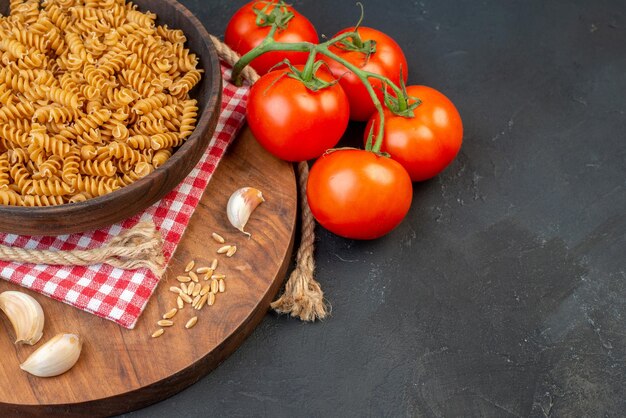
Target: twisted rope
{"points": [[303, 296], [139, 247]]}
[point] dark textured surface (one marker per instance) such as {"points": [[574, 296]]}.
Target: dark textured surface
{"points": [[503, 293]]}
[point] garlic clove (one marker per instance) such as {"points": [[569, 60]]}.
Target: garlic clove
{"points": [[25, 314], [241, 205], [55, 357]]}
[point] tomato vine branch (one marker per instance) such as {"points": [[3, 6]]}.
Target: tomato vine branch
{"points": [[269, 44]]}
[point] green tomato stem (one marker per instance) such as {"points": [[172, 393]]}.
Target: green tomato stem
{"points": [[307, 72]]}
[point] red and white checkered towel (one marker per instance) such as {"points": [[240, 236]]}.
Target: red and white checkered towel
{"points": [[109, 292]]}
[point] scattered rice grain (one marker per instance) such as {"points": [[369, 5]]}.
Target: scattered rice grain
{"points": [[170, 314], [218, 238], [191, 322]]}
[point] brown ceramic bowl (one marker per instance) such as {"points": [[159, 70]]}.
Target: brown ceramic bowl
{"points": [[129, 200]]}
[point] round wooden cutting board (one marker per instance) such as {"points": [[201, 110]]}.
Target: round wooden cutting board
{"points": [[119, 369]]}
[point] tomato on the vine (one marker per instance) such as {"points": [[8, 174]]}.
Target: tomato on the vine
{"points": [[426, 143], [293, 122], [243, 33], [387, 60], [358, 194]]}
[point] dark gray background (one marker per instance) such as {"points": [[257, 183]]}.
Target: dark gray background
{"points": [[503, 293]]}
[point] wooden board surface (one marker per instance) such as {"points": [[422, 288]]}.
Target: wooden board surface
{"points": [[121, 370]]}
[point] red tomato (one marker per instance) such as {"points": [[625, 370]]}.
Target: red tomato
{"points": [[386, 61], [243, 34], [427, 143], [293, 122], [358, 194]]}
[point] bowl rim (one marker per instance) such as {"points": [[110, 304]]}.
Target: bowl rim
{"points": [[201, 128]]}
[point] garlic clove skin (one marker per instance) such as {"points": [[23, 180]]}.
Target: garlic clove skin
{"points": [[241, 205], [25, 314], [55, 357]]}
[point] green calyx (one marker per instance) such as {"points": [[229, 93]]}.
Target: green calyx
{"points": [[402, 104], [307, 75], [273, 14]]}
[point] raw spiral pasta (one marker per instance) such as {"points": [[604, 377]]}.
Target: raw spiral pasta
{"points": [[94, 95]]}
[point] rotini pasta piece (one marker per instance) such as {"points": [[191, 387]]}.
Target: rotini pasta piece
{"points": [[14, 81], [175, 36], [96, 77], [70, 62], [77, 47], [93, 105], [71, 165], [119, 117], [16, 111], [21, 177], [91, 25], [33, 59], [17, 49], [14, 135], [57, 42], [120, 133], [118, 98], [96, 186], [53, 113], [32, 40], [18, 155], [160, 157], [188, 120], [95, 46], [97, 168], [139, 142], [14, 5], [149, 127], [87, 92], [142, 19], [186, 61], [140, 170], [91, 152], [84, 12], [37, 200], [56, 145], [60, 96], [147, 105], [181, 87], [134, 63], [4, 171], [123, 152], [9, 197], [113, 61], [132, 78], [146, 48], [165, 140], [93, 136], [132, 28], [51, 167], [92, 121], [6, 96], [80, 197]]}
